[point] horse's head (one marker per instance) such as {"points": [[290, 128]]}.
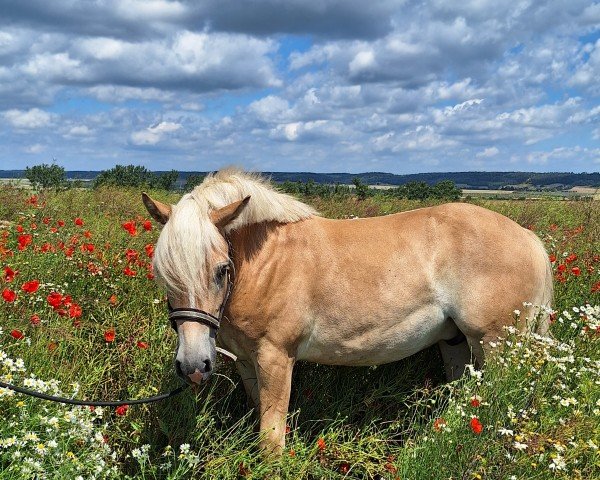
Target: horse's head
{"points": [[191, 260]]}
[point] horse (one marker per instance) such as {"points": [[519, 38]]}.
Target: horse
{"points": [[285, 285]]}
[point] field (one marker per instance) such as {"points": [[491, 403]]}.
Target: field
{"points": [[80, 315]]}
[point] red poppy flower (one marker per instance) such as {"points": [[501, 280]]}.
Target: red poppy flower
{"points": [[53, 230], [344, 468], [35, 319], [74, 311], [61, 223], [129, 272], [31, 286], [17, 334], [439, 424], [571, 258], [121, 410], [33, 226], [9, 295], [69, 252], [131, 255], [46, 247], [46, 220], [476, 426], [576, 271], [321, 444], [149, 250], [54, 299], [79, 222], [76, 323], [130, 227], [19, 228], [475, 402], [52, 346], [142, 345], [552, 258], [33, 200], [89, 247], [596, 287], [23, 241], [113, 299], [109, 335], [9, 274], [87, 234], [147, 225], [562, 267]]}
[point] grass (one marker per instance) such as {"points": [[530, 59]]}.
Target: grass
{"points": [[538, 401]]}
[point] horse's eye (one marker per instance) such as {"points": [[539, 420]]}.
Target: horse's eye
{"points": [[220, 273]]}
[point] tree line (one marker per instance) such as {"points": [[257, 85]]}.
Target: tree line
{"points": [[53, 176]]}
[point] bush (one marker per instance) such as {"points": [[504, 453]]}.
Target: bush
{"points": [[46, 176]]}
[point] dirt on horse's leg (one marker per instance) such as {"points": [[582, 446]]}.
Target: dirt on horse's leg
{"points": [[274, 371], [248, 373]]}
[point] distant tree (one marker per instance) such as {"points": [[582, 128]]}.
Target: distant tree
{"points": [[416, 190], [124, 176], [193, 181], [46, 176], [164, 181], [446, 190], [361, 189]]}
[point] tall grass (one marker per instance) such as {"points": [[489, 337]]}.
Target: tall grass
{"points": [[537, 401]]}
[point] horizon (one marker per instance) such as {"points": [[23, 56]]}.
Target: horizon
{"points": [[315, 87]]}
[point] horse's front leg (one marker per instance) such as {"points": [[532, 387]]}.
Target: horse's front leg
{"points": [[247, 371], [274, 371]]}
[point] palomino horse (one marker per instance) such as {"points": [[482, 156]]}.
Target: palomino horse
{"points": [[341, 292]]}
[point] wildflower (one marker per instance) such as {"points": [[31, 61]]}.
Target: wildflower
{"points": [[476, 426], [571, 258], [552, 258], [129, 272], [17, 334], [576, 271], [19, 228], [439, 424], [9, 295], [475, 401], [87, 234], [79, 222], [35, 319], [9, 274], [74, 311], [113, 299], [142, 345], [54, 299], [344, 468], [46, 220], [109, 335], [130, 227], [292, 452], [321, 444], [24, 241], [121, 410], [505, 432], [52, 346], [147, 225], [520, 446], [562, 268], [31, 286], [558, 463], [149, 250], [131, 255]]}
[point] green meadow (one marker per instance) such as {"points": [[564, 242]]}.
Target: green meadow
{"points": [[81, 316]]}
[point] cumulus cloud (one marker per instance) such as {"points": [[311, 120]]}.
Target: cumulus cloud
{"points": [[297, 84], [154, 133]]}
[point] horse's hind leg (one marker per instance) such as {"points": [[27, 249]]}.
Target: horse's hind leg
{"points": [[456, 355]]}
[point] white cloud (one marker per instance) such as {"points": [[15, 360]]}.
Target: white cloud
{"points": [[154, 133], [29, 119], [488, 152]]}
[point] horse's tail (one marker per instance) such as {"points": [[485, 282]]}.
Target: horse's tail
{"points": [[544, 303]]}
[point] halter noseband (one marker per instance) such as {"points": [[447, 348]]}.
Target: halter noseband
{"points": [[205, 318]]}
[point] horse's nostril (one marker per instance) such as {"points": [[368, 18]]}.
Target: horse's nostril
{"points": [[207, 366]]}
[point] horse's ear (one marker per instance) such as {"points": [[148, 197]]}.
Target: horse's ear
{"points": [[158, 211], [224, 216]]}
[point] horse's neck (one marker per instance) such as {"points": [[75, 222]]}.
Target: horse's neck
{"points": [[248, 241]]}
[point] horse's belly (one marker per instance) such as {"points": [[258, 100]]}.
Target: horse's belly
{"points": [[341, 343]]}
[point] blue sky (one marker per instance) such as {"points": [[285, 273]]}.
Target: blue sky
{"points": [[301, 85]]}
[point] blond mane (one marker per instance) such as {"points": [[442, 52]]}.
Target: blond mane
{"points": [[189, 237]]}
